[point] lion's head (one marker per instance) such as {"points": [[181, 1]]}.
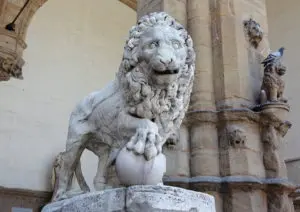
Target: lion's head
{"points": [[281, 69], [157, 69], [254, 32], [275, 68]]}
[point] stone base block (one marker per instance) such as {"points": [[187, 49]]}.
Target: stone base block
{"points": [[136, 199]]}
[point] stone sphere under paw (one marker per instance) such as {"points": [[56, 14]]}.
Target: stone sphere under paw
{"points": [[134, 169]]}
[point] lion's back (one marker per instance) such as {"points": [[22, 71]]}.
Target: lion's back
{"points": [[86, 106]]}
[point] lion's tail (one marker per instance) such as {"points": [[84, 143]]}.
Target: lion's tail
{"points": [[80, 178]]}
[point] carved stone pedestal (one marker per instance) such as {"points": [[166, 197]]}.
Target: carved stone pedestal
{"points": [[137, 199]]}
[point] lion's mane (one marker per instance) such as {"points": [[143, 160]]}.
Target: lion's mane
{"points": [[165, 106]]}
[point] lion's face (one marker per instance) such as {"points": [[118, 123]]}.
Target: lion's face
{"points": [[164, 52], [254, 32], [281, 70], [157, 69]]}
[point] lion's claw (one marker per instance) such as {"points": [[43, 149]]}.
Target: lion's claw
{"points": [[145, 141]]}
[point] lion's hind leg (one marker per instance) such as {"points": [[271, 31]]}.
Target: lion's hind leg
{"points": [[67, 163], [102, 151]]}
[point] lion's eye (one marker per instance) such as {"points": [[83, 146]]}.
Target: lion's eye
{"points": [[153, 44], [176, 44]]}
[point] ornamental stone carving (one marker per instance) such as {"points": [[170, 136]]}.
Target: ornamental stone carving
{"points": [[236, 137], [254, 32], [271, 155], [11, 68], [127, 123]]}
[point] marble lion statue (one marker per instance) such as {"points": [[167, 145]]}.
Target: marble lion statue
{"points": [[139, 110]]}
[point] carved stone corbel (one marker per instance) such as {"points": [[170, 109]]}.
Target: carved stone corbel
{"points": [[271, 156], [10, 67], [273, 128]]}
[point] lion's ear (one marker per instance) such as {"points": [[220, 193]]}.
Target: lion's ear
{"points": [[134, 56], [189, 41], [190, 56]]}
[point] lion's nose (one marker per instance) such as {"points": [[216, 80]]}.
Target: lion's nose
{"points": [[166, 61]]}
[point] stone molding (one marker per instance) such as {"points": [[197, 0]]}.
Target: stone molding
{"points": [[240, 114], [25, 192], [15, 37], [214, 183]]}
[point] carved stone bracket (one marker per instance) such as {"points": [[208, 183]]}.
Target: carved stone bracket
{"points": [[11, 68], [12, 42], [279, 198]]}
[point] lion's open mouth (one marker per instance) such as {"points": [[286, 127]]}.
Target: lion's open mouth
{"points": [[167, 72]]}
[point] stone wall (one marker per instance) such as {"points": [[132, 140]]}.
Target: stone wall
{"points": [[234, 145], [72, 50]]}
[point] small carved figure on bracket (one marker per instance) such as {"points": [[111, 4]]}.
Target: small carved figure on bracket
{"points": [[273, 85], [253, 31]]}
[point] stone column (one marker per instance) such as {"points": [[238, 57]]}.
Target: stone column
{"points": [[202, 118], [175, 8], [12, 42], [178, 156]]}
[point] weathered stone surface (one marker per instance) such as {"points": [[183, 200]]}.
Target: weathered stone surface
{"points": [[166, 198], [137, 199], [108, 201]]}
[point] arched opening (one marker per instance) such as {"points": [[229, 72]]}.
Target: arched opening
{"points": [[74, 47]]}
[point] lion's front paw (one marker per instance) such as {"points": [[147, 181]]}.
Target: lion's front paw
{"points": [[147, 142]]}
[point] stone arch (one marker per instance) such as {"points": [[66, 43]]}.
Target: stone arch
{"points": [[15, 44], [35, 112]]}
